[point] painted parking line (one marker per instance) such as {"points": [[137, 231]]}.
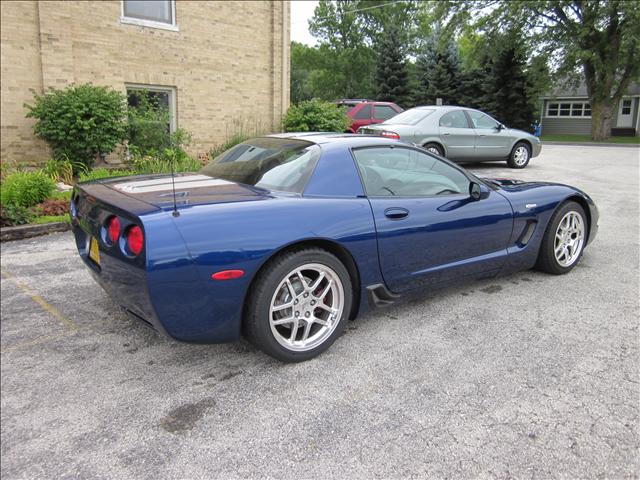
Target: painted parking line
{"points": [[46, 306]]}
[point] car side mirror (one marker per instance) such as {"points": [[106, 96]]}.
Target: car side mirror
{"points": [[478, 191], [500, 126], [474, 191]]}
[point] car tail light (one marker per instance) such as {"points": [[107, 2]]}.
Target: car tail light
{"points": [[392, 135], [135, 240], [113, 229]]}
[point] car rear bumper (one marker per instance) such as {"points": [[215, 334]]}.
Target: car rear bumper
{"points": [[125, 284]]}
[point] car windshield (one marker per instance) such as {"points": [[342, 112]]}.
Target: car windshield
{"points": [[272, 163], [411, 117]]}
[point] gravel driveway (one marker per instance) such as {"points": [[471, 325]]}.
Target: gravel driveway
{"points": [[525, 376]]}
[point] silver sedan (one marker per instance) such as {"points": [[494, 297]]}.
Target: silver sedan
{"points": [[460, 134]]}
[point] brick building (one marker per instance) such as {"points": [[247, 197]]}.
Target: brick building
{"points": [[215, 63]]}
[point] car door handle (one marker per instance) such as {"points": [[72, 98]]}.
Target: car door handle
{"points": [[446, 134], [481, 135], [396, 213]]}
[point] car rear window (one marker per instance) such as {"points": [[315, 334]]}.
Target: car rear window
{"points": [[412, 117], [272, 163]]}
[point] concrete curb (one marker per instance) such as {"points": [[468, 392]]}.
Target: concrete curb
{"points": [[27, 231], [593, 144]]}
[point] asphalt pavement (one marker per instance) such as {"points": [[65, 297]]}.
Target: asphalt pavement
{"points": [[527, 376]]}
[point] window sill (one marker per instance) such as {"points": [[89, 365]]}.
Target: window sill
{"points": [[149, 23]]}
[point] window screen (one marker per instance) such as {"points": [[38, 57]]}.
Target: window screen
{"points": [[154, 10]]}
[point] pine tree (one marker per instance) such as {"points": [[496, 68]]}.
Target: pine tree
{"points": [[475, 88], [392, 78], [510, 86], [425, 62], [439, 75]]}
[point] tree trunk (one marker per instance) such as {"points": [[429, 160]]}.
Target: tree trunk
{"points": [[601, 114]]}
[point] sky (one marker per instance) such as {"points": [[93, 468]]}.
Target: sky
{"points": [[301, 12]]}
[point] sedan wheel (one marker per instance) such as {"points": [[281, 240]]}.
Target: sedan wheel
{"points": [[520, 155], [299, 305], [434, 148], [564, 240]]}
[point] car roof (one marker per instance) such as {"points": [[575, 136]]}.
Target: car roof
{"points": [[439, 107], [362, 100], [350, 139]]}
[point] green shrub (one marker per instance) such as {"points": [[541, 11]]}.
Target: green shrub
{"points": [[66, 195], [63, 170], [180, 160], [229, 143], [237, 132], [12, 215], [316, 116], [80, 122], [148, 127], [147, 124], [26, 189]]}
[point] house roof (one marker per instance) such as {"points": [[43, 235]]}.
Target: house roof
{"points": [[564, 91]]}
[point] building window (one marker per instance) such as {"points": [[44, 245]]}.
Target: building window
{"points": [[150, 13], [565, 109], [626, 107], [157, 97], [574, 109]]}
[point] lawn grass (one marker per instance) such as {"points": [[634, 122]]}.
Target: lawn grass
{"points": [[51, 219], [587, 139]]}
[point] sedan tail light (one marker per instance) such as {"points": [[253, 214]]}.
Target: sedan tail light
{"points": [[392, 135], [135, 240]]}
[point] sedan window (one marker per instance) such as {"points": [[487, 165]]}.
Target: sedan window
{"points": [[411, 117], [481, 120], [455, 119], [405, 172]]}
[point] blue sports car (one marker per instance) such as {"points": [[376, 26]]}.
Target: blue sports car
{"points": [[285, 238]]}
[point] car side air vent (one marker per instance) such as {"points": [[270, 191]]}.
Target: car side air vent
{"points": [[527, 232]]}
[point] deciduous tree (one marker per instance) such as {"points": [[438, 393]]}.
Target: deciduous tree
{"points": [[596, 40]]}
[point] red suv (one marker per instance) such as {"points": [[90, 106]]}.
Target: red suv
{"points": [[366, 112]]}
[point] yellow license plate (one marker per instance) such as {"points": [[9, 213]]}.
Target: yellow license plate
{"points": [[94, 251]]}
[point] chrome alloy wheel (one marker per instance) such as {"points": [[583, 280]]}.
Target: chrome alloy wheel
{"points": [[306, 307], [433, 150], [520, 156], [569, 239]]}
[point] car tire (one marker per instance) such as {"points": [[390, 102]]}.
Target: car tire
{"points": [[434, 148], [564, 240], [520, 155], [294, 326]]}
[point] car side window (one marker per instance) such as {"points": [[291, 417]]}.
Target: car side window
{"points": [[481, 120], [363, 113], [385, 112], [455, 119], [405, 172]]}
